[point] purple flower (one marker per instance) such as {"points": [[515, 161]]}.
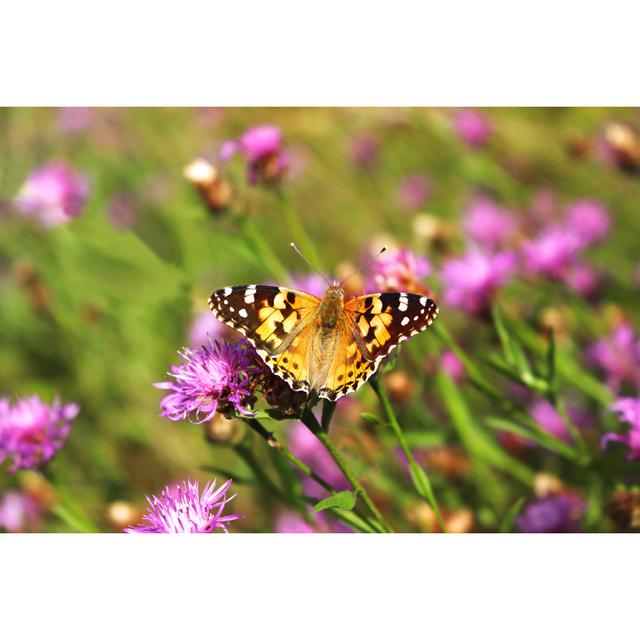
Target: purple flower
{"points": [[452, 366], [31, 432], [399, 270], [584, 280], [204, 328], [19, 512], [74, 119], [305, 446], [628, 410], [488, 225], [363, 151], [214, 377], [472, 127], [588, 221], [551, 253], [292, 522], [263, 151], [54, 194], [557, 513], [413, 192], [181, 509], [619, 357], [548, 417], [471, 281]]}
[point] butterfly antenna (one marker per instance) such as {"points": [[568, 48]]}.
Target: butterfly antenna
{"points": [[364, 266], [293, 246]]}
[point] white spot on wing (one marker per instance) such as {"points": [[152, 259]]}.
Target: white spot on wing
{"points": [[404, 321], [243, 313]]}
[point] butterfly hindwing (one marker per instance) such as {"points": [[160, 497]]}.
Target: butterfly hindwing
{"points": [[381, 321]]}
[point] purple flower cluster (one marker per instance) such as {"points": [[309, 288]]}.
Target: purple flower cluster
{"points": [[19, 512], [31, 431], [54, 194], [488, 225], [472, 280], [628, 410], [556, 251], [181, 509], [472, 127], [399, 270], [556, 513], [213, 378], [618, 356], [263, 151]]}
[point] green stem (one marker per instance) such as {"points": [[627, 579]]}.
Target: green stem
{"points": [[311, 422], [272, 441], [571, 427], [262, 248], [297, 230], [425, 485]]}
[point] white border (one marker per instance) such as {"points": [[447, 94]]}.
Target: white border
{"points": [[319, 586], [291, 53]]}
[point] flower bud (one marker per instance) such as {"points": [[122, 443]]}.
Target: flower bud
{"points": [[216, 192], [624, 508], [399, 386], [223, 430], [460, 521], [546, 484], [621, 146], [121, 514]]}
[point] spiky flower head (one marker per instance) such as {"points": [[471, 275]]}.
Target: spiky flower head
{"points": [[31, 431], [217, 377], [181, 509], [628, 410]]}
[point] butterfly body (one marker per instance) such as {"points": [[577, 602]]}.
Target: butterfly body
{"points": [[326, 345]]}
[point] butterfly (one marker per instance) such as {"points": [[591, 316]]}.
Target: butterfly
{"points": [[327, 346]]}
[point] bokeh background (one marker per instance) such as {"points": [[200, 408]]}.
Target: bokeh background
{"points": [[94, 308]]}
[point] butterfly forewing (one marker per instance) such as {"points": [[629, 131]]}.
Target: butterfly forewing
{"points": [[382, 320], [267, 316]]}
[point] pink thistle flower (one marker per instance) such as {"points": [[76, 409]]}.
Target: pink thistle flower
{"points": [[75, 119], [588, 221], [181, 509], [53, 194], [19, 512], [619, 357], [549, 418], [218, 377], [263, 151], [488, 225], [473, 280], [628, 410], [472, 127], [31, 432], [305, 446], [551, 253], [399, 270], [414, 192]]}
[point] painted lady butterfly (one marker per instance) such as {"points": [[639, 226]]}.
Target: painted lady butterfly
{"points": [[328, 346]]}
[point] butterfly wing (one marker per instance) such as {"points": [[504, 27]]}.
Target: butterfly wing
{"points": [[276, 321], [374, 325], [380, 321]]}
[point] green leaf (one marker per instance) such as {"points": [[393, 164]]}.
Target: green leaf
{"points": [[343, 500], [506, 526], [371, 418], [476, 441]]}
